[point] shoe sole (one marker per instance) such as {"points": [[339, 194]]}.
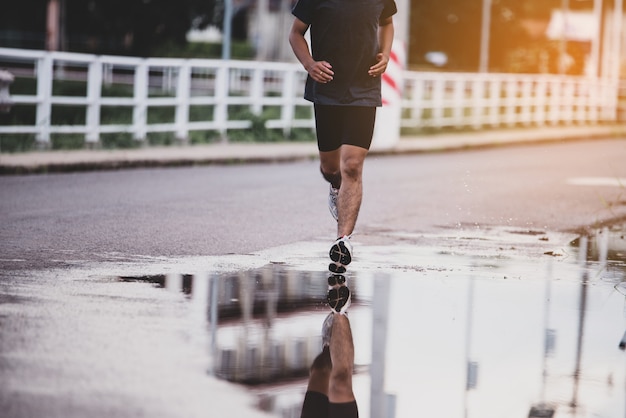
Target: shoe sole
{"points": [[336, 268], [339, 299], [340, 254], [335, 280]]}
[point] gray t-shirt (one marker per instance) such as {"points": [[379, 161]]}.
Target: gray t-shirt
{"points": [[345, 33]]}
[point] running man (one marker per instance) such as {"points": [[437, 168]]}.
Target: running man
{"points": [[350, 47]]}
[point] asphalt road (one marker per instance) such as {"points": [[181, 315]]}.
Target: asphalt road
{"points": [[61, 219], [76, 341]]}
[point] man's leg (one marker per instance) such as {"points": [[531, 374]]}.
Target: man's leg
{"points": [[343, 169], [351, 191], [315, 403], [342, 358], [319, 374], [330, 166]]}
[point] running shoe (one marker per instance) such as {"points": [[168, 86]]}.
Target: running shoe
{"points": [[339, 299], [327, 328], [336, 268], [336, 280], [332, 202], [341, 251]]}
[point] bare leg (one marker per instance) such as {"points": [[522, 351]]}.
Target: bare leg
{"points": [[342, 357], [319, 374], [343, 169], [351, 191], [329, 166]]}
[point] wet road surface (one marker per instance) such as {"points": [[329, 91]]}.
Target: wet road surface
{"points": [[475, 328], [200, 291]]}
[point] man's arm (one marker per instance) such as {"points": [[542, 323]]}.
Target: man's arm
{"points": [[320, 71], [385, 41]]}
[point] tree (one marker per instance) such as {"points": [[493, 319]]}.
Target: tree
{"points": [[23, 24], [449, 26], [135, 27]]}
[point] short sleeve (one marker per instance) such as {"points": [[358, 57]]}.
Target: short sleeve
{"points": [[389, 10], [303, 10]]}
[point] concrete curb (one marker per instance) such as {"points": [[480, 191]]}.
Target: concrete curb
{"points": [[87, 160]]}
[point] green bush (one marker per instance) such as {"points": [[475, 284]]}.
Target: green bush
{"points": [[67, 141], [238, 50], [17, 143]]}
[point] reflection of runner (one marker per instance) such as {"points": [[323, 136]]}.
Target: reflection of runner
{"points": [[350, 48], [329, 392]]}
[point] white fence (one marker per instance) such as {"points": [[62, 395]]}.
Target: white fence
{"points": [[213, 87], [437, 100]]}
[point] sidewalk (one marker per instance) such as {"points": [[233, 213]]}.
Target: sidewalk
{"points": [[85, 160]]}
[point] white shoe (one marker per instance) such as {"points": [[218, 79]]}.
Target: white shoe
{"points": [[333, 194], [341, 251], [339, 299]]}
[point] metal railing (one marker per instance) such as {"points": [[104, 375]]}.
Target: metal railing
{"points": [[214, 87]]}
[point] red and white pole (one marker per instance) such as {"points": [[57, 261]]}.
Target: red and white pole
{"points": [[387, 128]]}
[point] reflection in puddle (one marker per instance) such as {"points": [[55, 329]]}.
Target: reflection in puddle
{"points": [[502, 337]]}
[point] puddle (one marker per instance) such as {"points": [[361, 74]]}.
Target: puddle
{"points": [[475, 334]]}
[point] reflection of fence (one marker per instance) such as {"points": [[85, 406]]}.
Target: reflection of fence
{"points": [[201, 95], [265, 323]]}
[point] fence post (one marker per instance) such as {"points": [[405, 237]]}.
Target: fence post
{"points": [[220, 113], [526, 101], [510, 101], [45, 68], [416, 111], [287, 111], [555, 101], [568, 103], [495, 88], [140, 109], [458, 111], [478, 100], [579, 94], [611, 100], [541, 91], [437, 100], [183, 94], [94, 94], [593, 101], [256, 90], [6, 78]]}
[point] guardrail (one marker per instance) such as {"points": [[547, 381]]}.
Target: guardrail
{"points": [[212, 87]]}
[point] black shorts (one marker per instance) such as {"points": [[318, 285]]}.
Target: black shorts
{"points": [[316, 405], [338, 125]]}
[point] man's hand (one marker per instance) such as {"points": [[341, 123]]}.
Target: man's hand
{"points": [[381, 65], [321, 71]]}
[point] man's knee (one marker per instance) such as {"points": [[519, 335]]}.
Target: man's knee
{"points": [[341, 382], [352, 167], [322, 362]]}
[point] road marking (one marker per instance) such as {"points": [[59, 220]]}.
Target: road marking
{"points": [[597, 181]]}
